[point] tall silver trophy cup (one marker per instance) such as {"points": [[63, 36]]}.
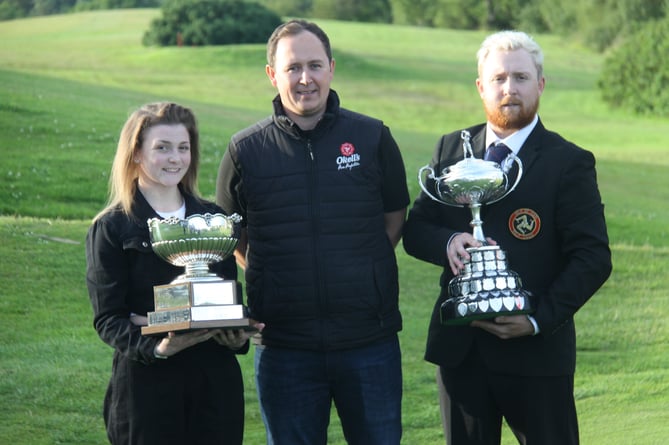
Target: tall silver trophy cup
{"points": [[486, 288], [198, 298]]}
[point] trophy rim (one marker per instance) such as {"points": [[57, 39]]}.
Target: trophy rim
{"points": [[195, 241], [466, 185]]}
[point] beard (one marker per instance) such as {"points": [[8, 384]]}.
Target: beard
{"points": [[511, 118]]}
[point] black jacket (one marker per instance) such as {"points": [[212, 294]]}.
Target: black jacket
{"points": [[122, 270], [563, 260], [321, 272]]}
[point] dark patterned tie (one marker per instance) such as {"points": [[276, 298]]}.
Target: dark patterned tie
{"points": [[497, 153]]}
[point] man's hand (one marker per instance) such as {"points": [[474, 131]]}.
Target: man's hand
{"points": [[236, 338], [506, 326], [457, 250]]}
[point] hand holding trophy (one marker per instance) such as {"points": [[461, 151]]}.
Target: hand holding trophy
{"points": [[486, 288], [197, 298]]}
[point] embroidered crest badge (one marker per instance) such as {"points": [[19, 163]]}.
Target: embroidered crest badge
{"points": [[349, 159], [524, 224], [347, 149]]}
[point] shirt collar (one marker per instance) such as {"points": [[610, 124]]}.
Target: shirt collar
{"points": [[516, 140]]}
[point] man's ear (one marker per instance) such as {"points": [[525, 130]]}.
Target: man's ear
{"points": [[271, 74]]}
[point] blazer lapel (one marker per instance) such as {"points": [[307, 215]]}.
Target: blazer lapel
{"points": [[478, 144], [530, 150]]}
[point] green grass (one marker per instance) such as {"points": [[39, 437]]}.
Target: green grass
{"points": [[67, 84]]}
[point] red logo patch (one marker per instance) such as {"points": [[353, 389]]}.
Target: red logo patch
{"points": [[347, 149], [524, 224]]}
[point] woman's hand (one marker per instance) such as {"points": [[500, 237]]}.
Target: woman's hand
{"points": [[175, 343]]}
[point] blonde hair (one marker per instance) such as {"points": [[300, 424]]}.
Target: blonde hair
{"points": [[124, 171], [511, 41]]}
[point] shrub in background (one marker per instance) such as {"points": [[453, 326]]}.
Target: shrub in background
{"points": [[635, 75], [93, 5], [379, 11], [289, 8], [211, 22]]}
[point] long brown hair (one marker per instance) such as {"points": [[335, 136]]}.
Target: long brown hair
{"points": [[124, 171]]}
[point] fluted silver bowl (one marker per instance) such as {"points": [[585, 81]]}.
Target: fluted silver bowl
{"points": [[195, 242], [471, 181]]}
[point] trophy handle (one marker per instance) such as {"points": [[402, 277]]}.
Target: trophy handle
{"points": [[430, 175], [510, 158]]}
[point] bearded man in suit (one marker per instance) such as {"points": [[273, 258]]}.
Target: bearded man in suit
{"points": [[552, 227]]}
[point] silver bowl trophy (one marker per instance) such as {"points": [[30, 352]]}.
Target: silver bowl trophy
{"points": [[486, 288], [198, 298]]}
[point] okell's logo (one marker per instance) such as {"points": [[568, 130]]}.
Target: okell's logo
{"points": [[349, 158]]}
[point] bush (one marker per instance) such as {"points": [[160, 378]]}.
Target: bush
{"points": [[289, 8], [93, 5], [211, 22], [379, 11], [635, 76]]}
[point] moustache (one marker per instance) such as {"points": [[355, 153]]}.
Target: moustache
{"points": [[510, 102]]}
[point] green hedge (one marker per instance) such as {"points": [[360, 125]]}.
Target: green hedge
{"points": [[211, 22], [635, 75]]}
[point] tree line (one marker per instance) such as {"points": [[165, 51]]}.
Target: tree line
{"points": [[599, 23], [634, 33], [15, 9]]}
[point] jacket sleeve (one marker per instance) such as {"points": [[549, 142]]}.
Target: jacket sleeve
{"points": [[229, 194], [395, 191], [107, 281], [584, 244]]}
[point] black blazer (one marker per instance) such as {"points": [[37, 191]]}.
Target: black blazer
{"points": [[553, 230]]}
